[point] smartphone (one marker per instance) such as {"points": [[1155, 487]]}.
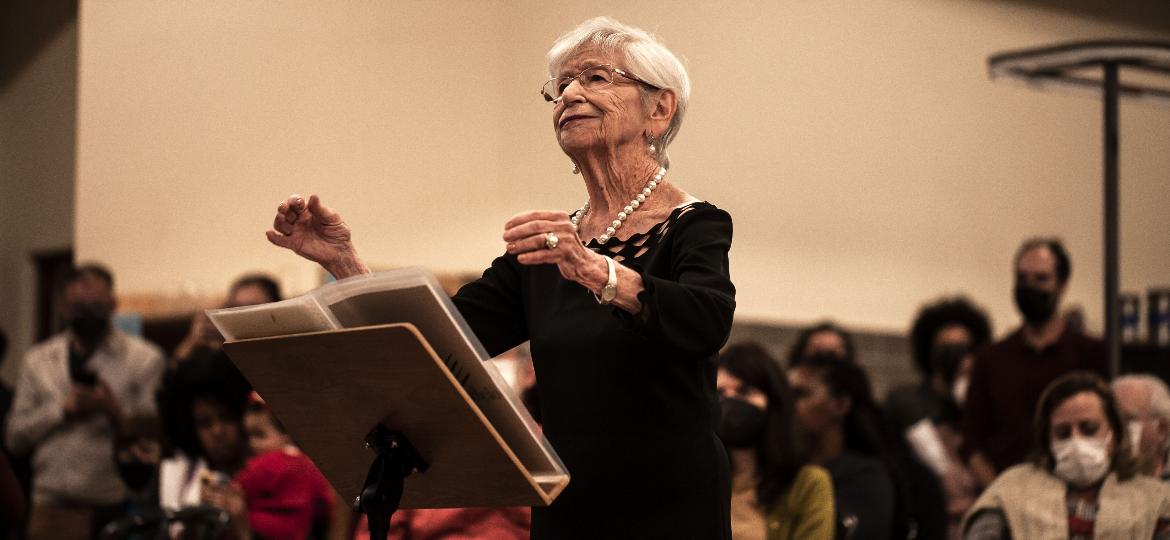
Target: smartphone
{"points": [[216, 478], [79, 371]]}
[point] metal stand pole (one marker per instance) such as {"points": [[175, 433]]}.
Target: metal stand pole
{"points": [[1112, 243], [382, 491]]}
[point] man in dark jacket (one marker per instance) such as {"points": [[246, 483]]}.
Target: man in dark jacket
{"points": [[1009, 376]]}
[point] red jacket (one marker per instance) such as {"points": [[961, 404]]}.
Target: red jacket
{"points": [[286, 495]]}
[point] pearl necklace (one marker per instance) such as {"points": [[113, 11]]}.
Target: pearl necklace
{"points": [[625, 213]]}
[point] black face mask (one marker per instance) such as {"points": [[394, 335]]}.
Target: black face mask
{"points": [[89, 322], [135, 474], [741, 424], [1036, 305], [946, 359]]}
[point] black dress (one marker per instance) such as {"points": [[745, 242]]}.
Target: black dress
{"points": [[628, 401]]}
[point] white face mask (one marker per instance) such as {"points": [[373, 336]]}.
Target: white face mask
{"points": [[1081, 461], [1134, 429], [959, 390]]}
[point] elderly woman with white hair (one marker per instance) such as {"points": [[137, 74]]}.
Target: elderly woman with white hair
{"points": [[626, 300]]}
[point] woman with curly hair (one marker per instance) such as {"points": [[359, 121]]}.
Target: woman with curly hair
{"points": [[944, 335], [202, 407], [943, 338]]}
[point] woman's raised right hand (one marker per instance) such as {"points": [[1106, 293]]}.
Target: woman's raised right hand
{"points": [[315, 232]]}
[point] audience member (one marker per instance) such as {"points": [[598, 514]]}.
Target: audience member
{"points": [[248, 290], [137, 454], [1081, 482], [823, 338], [879, 490], [1009, 376], [279, 493], [202, 406], [775, 493], [943, 336], [1144, 403], [72, 396]]}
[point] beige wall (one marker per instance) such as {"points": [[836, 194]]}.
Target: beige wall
{"points": [[868, 161], [197, 120], [38, 92]]}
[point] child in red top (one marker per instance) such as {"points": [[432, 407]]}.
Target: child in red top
{"points": [[279, 494]]}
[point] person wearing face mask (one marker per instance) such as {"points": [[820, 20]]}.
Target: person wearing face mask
{"points": [[942, 338], [1144, 402], [137, 454], [1008, 376], [776, 493], [74, 392], [1081, 482]]}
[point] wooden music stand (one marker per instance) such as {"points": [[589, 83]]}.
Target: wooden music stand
{"points": [[352, 396]]}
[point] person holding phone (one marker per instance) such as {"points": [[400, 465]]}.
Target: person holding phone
{"points": [[247, 290], [73, 392]]}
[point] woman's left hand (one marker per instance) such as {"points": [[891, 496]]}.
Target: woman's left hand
{"points": [[527, 235]]}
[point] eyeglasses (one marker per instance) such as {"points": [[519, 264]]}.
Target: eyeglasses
{"points": [[591, 78]]}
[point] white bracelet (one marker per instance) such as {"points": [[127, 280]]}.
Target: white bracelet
{"points": [[609, 292]]}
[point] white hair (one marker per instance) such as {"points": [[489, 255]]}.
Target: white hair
{"points": [[644, 55], [1159, 393]]}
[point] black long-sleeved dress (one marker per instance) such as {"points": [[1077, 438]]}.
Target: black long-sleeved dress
{"points": [[628, 401]]}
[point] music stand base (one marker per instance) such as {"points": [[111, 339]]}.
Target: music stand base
{"points": [[382, 491]]}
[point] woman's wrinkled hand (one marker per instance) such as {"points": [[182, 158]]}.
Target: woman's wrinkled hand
{"points": [[317, 233], [527, 237]]}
